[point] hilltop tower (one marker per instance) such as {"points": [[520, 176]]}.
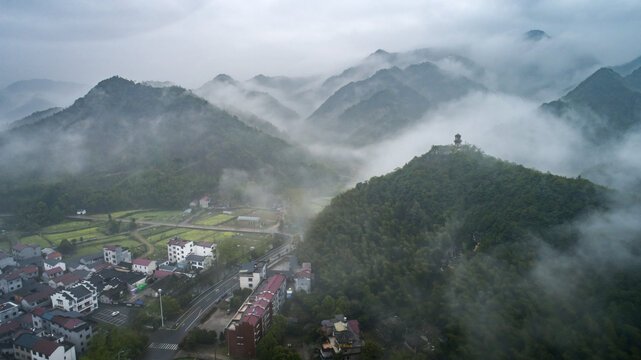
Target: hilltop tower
{"points": [[457, 140]]}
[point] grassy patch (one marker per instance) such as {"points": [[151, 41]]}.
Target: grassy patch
{"points": [[213, 219], [36, 240], [171, 216], [96, 246], [68, 226], [87, 233]]}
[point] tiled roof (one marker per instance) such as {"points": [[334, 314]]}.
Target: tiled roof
{"points": [[159, 274], [9, 327], [39, 311], [40, 295], [68, 278], [110, 247], [275, 282], [57, 269], [178, 242], [142, 262], [67, 323], [46, 347], [54, 255]]}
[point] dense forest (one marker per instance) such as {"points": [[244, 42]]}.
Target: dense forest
{"points": [[482, 257], [127, 145]]}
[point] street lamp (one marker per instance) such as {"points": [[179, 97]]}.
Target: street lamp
{"points": [[162, 320]]}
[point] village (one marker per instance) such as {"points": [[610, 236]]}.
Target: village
{"points": [[52, 304]]}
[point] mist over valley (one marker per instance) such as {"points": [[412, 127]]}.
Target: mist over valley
{"points": [[400, 181]]}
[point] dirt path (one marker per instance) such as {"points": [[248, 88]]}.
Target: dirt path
{"points": [[150, 247]]}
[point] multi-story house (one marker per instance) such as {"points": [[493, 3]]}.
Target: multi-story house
{"points": [[178, 249], [303, 279], [25, 251], [9, 311], [74, 330], [82, 297], [253, 319], [251, 274], [6, 260], [10, 282], [115, 254], [32, 347]]}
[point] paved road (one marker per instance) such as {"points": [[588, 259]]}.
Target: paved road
{"points": [[164, 342]]}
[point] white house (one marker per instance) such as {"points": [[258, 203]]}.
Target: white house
{"points": [[10, 282], [54, 263], [204, 202], [178, 249], [204, 248], [25, 251], [115, 254], [8, 311], [82, 297], [30, 346], [6, 260], [251, 274], [143, 266]]}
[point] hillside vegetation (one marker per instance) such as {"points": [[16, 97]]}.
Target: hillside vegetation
{"points": [[452, 243]]}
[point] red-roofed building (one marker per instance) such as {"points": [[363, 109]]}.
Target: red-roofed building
{"points": [[143, 266], [178, 249], [115, 254], [25, 251], [66, 280], [54, 256], [74, 330], [10, 282], [30, 272], [161, 274], [253, 319], [204, 202], [41, 298]]}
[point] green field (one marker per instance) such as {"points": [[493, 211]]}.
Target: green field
{"points": [[170, 216], [68, 226], [36, 240], [213, 219], [96, 246], [87, 233], [120, 214]]}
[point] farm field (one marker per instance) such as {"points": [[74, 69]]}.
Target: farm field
{"points": [[69, 226], [36, 240], [87, 233], [91, 247], [171, 216], [212, 219]]}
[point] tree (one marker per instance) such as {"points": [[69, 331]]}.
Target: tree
{"points": [[109, 341], [65, 247], [372, 350]]}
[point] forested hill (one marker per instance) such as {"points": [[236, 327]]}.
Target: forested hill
{"points": [[449, 244], [126, 145]]}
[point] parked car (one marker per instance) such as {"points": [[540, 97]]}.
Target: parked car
{"points": [[115, 313]]}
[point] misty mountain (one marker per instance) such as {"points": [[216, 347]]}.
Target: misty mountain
{"points": [[627, 68], [535, 35], [22, 98], [605, 106], [366, 111], [234, 97], [125, 144], [478, 256]]}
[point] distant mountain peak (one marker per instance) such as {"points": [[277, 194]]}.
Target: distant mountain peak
{"points": [[224, 78], [535, 35], [114, 83]]}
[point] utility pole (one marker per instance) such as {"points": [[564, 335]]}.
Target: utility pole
{"points": [[162, 320]]}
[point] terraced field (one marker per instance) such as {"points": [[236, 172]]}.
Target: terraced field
{"points": [[87, 233], [69, 226], [212, 219], [96, 246]]}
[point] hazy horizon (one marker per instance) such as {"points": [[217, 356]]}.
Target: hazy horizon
{"points": [[189, 42]]}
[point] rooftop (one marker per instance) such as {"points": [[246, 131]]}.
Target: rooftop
{"points": [[142, 262], [20, 247], [178, 242]]}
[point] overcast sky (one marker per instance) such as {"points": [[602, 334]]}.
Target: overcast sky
{"points": [[190, 41]]}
